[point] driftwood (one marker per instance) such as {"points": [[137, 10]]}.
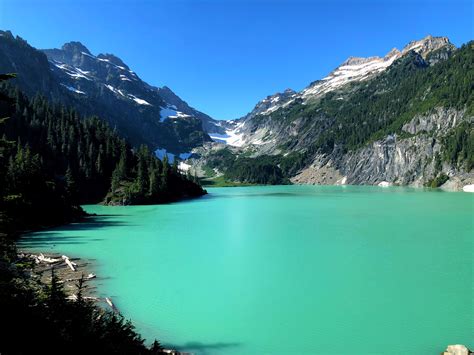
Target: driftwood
{"points": [[73, 266], [109, 302], [69, 263], [45, 259]]}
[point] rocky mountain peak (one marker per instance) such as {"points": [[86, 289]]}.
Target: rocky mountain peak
{"points": [[277, 97], [394, 52], [7, 34], [167, 90], [360, 68], [75, 48], [272, 102], [427, 45]]}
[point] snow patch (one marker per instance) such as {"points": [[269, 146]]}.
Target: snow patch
{"points": [[115, 90], [139, 101], [354, 69], [128, 96], [73, 72], [170, 111], [219, 138], [166, 112], [84, 72], [124, 78], [73, 89], [468, 188], [183, 166], [88, 55], [233, 137]]}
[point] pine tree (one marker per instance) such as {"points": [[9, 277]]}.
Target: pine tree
{"points": [[142, 170], [56, 295], [71, 187]]}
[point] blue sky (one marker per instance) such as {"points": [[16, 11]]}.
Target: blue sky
{"points": [[224, 56]]}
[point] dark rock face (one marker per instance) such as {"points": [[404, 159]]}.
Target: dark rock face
{"points": [[32, 66]]}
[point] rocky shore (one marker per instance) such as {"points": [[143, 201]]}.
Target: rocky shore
{"points": [[68, 270]]}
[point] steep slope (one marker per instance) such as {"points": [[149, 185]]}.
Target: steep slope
{"points": [[353, 125], [105, 86]]}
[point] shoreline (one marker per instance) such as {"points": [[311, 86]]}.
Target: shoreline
{"points": [[69, 271]]}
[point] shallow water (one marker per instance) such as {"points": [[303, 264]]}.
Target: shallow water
{"points": [[287, 269]]}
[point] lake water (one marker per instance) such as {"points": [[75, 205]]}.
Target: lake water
{"points": [[287, 269]]}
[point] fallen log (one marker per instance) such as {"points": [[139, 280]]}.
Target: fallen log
{"points": [[109, 302], [45, 259], [69, 263]]}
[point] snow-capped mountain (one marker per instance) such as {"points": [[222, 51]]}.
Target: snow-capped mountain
{"points": [[359, 68], [404, 119], [243, 131], [79, 68], [105, 86]]}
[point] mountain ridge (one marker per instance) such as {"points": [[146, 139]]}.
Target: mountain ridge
{"points": [[104, 85]]}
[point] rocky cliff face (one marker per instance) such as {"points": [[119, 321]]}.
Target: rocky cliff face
{"points": [[395, 160]]}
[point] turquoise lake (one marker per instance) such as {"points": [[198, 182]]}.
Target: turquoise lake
{"points": [[287, 269]]}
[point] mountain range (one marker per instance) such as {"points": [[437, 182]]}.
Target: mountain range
{"points": [[405, 118]]}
